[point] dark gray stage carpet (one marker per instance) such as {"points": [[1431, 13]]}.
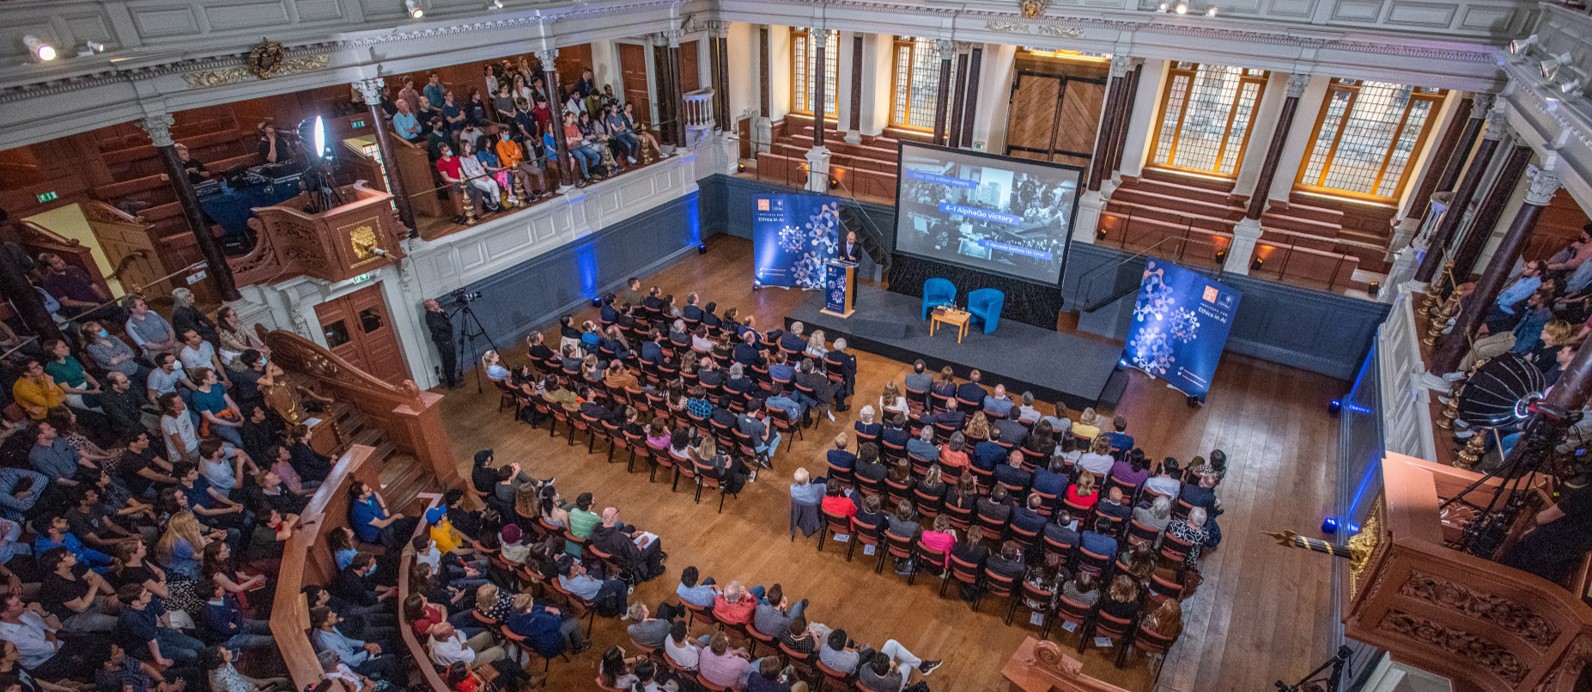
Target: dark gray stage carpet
{"points": [[1052, 365]]}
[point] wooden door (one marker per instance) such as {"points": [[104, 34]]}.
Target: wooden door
{"points": [[690, 72], [570, 62], [359, 330], [129, 249], [1053, 117], [633, 73]]}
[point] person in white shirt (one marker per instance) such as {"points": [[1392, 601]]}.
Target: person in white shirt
{"points": [[1165, 482], [176, 428], [476, 173], [681, 649], [447, 647], [1028, 414], [25, 627], [1098, 460], [168, 373], [198, 353]]}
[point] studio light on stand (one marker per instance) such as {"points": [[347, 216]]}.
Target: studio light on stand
{"points": [[1550, 67], [39, 49], [1519, 46], [318, 179], [90, 48]]}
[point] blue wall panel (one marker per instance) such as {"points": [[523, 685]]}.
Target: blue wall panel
{"points": [[534, 293]]}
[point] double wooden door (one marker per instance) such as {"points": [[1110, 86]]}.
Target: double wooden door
{"points": [[1054, 117], [358, 328], [633, 73]]}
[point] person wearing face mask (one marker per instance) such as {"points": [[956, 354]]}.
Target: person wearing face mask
{"points": [[512, 157], [109, 352]]}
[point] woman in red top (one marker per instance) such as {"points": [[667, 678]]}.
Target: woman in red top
{"points": [[423, 614], [735, 605], [953, 454], [1083, 492], [835, 500]]}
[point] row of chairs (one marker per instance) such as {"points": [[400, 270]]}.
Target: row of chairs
{"points": [[1017, 593]]}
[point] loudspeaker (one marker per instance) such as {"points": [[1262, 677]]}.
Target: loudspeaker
{"points": [[876, 329]]}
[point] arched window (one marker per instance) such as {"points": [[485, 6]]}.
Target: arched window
{"points": [[1366, 136], [1206, 111], [802, 56]]}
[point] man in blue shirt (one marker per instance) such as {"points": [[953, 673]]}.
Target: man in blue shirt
{"points": [[839, 457], [998, 403], [19, 491], [52, 456], [988, 453], [781, 400], [369, 519], [1522, 288], [702, 594], [404, 122], [780, 370], [435, 92], [1120, 439], [1097, 541], [365, 658], [605, 594]]}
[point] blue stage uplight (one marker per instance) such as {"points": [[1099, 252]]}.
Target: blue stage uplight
{"points": [[586, 267], [693, 221], [1329, 525], [1351, 528]]}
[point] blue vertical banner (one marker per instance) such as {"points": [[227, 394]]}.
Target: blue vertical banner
{"points": [[1180, 326], [793, 238]]}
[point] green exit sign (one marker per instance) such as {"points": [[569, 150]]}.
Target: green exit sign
{"points": [[356, 124], [50, 196]]}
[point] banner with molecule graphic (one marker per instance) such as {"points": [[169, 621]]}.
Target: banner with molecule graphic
{"points": [[1180, 326], [793, 237]]}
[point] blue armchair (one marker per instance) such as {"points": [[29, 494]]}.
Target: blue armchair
{"points": [[937, 292], [986, 304]]}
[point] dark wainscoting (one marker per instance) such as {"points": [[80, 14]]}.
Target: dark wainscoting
{"points": [[535, 293]]}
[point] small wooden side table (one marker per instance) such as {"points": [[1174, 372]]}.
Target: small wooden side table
{"points": [[953, 317]]}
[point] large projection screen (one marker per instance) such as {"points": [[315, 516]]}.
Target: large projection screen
{"points": [[984, 212]]}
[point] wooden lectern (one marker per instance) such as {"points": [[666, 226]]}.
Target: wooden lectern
{"points": [[840, 279]]}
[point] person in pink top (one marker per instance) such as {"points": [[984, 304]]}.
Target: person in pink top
{"points": [[942, 538], [722, 665]]}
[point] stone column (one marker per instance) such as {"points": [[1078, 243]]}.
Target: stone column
{"points": [[721, 37], [1247, 232], [1449, 356], [854, 116], [763, 126], [159, 129], [1092, 202], [958, 95], [714, 76], [1119, 142], [676, 95], [555, 98], [943, 97], [1437, 250], [975, 61], [1490, 211], [815, 75], [1460, 135], [371, 89]]}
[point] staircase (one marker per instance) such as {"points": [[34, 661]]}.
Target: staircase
{"points": [[213, 138], [403, 477], [868, 169]]}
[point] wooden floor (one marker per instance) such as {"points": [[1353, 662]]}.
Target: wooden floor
{"points": [[1261, 615]]}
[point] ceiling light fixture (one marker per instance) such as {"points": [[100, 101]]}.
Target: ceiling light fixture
{"points": [[41, 51], [495, 5], [1211, 12], [1182, 8], [90, 48], [1520, 45], [1550, 67], [1162, 8], [415, 10]]}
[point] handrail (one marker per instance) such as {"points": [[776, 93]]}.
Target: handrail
{"points": [[406, 559], [290, 615], [1089, 281]]}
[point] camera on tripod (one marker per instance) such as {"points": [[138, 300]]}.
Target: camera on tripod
{"points": [[461, 297]]}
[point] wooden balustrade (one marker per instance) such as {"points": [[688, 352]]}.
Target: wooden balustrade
{"points": [[1484, 625], [698, 109], [335, 245], [412, 644], [305, 560], [410, 418]]}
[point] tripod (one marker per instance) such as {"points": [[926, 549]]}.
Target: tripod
{"points": [[1484, 535], [469, 330], [1327, 677]]}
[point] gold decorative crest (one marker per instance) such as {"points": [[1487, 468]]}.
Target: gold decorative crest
{"points": [[363, 239], [267, 57], [233, 75], [1033, 9]]}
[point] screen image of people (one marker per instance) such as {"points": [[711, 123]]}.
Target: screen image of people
{"points": [[987, 213]]}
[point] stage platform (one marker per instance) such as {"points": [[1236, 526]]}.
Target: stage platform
{"points": [[1054, 366]]}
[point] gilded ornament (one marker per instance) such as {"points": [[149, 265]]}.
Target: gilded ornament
{"points": [[232, 75], [1032, 9], [265, 58]]}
